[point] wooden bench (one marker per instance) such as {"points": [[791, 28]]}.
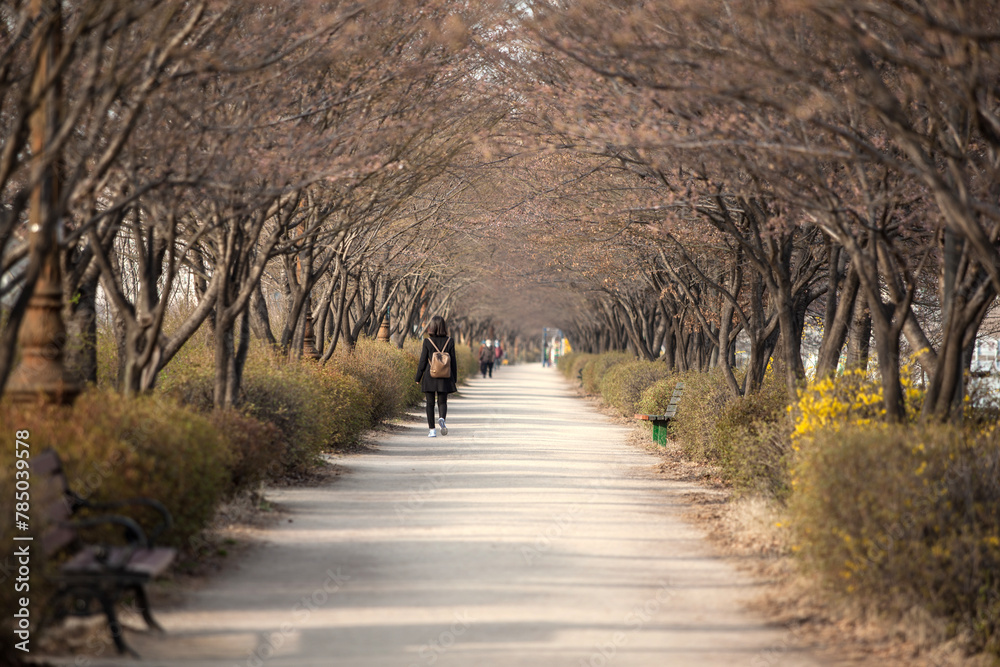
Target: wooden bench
{"points": [[94, 577], [660, 422]]}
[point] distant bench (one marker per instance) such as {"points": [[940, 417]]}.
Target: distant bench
{"points": [[660, 422], [96, 576]]}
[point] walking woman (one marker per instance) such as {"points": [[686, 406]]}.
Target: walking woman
{"points": [[437, 341]]}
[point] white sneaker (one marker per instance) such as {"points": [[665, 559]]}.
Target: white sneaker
{"points": [[432, 434], [444, 429]]}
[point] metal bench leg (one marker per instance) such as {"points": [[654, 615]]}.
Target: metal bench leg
{"points": [[142, 600], [117, 630]]}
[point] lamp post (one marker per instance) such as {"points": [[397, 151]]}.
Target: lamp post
{"points": [[309, 350], [383, 329], [40, 373]]}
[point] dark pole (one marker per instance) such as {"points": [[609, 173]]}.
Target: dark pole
{"points": [[40, 373]]}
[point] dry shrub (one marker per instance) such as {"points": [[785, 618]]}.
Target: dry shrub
{"points": [[748, 437], [656, 397], [190, 377], [122, 448], [705, 397], [623, 384], [257, 449], [346, 407], [905, 517], [386, 373], [114, 448], [571, 365], [752, 440], [468, 363], [315, 408], [564, 362], [596, 367]]}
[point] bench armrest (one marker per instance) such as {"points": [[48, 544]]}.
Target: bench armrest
{"points": [[165, 523], [133, 531]]}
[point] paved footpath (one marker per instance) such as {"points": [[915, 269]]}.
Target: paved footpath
{"points": [[530, 535]]}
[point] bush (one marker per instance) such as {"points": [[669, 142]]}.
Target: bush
{"points": [[748, 438], [705, 397], [566, 361], [573, 363], [655, 398], [386, 373], [852, 398], [596, 367], [145, 446], [315, 408], [347, 407], [468, 363], [562, 363], [623, 384], [283, 393], [123, 448], [107, 359], [752, 440], [190, 376], [905, 516], [257, 449]]}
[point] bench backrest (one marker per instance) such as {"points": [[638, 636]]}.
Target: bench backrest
{"points": [[675, 399], [51, 492]]}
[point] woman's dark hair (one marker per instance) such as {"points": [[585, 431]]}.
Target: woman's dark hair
{"points": [[437, 327]]}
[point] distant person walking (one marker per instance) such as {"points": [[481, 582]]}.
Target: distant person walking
{"points": [[486, 358], [437, 342]]}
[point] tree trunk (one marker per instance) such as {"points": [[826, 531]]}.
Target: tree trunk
{"points": [[81, 330], [791, 343], [235, 384], [260, 320], [838, 325], [224, 358], [859, 344]]}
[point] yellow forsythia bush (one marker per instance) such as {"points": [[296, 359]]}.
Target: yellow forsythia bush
{"points": [[905, 516], [852, 398]]}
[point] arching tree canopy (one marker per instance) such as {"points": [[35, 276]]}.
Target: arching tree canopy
{"points": [[678, 179]]}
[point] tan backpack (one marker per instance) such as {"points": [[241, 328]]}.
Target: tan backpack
{"points": [[440, 361]]}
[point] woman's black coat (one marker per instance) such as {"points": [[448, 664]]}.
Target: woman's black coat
{"points": [[442, 385]]}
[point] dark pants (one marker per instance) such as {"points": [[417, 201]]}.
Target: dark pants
{"points": [[442, 407], [486, 367]]}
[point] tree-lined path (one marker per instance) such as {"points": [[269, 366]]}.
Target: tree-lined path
{"points": [[530, 535]]}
